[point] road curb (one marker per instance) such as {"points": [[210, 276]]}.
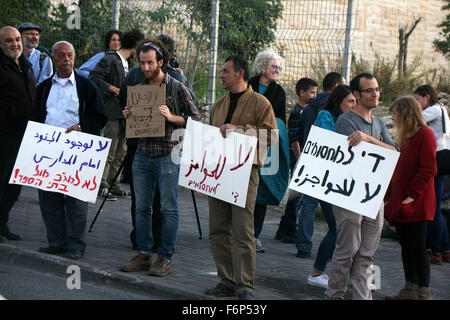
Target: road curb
{"points": [[58, 265]]}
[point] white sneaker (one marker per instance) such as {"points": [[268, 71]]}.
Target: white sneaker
{"points": [[319, 281], [372, 286], [259, 247]]}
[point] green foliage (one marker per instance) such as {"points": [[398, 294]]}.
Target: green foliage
{"points": [[385, 72], [443, 46], [16, 12]]}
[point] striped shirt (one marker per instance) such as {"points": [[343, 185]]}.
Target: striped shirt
{"points": [[161, 146]]}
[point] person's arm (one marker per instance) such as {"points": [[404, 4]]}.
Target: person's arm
{"points": [[100, 76], [89, 65], [296, 149], [427, 168], [431, 113], [356, 137]]}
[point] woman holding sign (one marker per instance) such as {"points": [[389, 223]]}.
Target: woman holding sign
{"points": [[340, 100], [410, 199]]}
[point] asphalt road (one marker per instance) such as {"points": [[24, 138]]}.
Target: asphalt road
{"points": [[21, 283]]}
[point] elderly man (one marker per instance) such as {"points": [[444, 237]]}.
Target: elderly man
{"points": [[231, 228], [69, 101], [41, 62], [17, 92]]}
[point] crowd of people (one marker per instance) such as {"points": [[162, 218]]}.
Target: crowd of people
{"points": [[93, 99]]}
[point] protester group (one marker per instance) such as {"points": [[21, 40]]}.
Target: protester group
{"points": [[44, 86]]}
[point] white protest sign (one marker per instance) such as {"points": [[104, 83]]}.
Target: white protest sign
{"points": [[355, 178], [216, 166], [69, 163]]}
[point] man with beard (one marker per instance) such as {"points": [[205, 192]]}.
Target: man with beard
{"points": [[108, 75], [41, 62], [17, 92], [358, 236], [153, 165], [67, 100]]}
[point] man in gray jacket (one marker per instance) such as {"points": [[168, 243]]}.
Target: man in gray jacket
{"points": [[108, 75]]}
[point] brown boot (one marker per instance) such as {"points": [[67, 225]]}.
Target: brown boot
{"points": [[409, 292], [161, 267], [424, 293], [140, 262]]}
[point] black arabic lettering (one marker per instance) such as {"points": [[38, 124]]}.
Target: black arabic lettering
{"points": [[342, 190], [368, 196]]}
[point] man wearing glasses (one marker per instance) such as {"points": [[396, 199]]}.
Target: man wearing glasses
{"points": [[358, 236], [41, 62]]}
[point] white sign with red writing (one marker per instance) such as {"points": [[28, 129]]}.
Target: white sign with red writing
{"points": [[354, 178], [69, 163], [216, 166]]}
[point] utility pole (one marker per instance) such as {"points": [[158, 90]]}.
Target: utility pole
{"points": [[213, 56], [347, 50], [115, 15]]}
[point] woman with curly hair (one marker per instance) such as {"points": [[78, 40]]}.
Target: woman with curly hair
{"points": [[267, 68], [410, 199]]}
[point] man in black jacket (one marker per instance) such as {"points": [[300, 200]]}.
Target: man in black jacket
{"points": [[108, 75], [70, 101], [17, 92]]}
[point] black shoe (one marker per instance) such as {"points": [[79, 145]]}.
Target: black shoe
{"points": [[246, 295], [279, 234], [74, 254], [304, 254], [10, 236], [53, 250], [289, 238], [221, 291], [2, 239]]}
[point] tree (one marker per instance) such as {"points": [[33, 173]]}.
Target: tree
{"points": [[403, 37], [443, 46]]}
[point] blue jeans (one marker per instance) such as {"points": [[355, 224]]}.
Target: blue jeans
{"points": [[306, 221], [147, 174], [437, 229], [328, 244]]}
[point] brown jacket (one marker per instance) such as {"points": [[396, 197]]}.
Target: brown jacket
{"points": [[253, 111]]}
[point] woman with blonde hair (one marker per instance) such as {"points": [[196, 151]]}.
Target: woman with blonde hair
{"points": [[410, 200]]}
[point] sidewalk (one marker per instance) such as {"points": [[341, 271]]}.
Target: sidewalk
{"points": [[280, 275]]}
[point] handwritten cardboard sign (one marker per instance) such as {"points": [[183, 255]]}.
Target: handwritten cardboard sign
{"points": [[69, 163], [215, 166], [354, 178], [145, 119]]}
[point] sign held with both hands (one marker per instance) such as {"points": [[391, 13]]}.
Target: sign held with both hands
{"points": [[354, 178], [69, 163], [145, 119]]}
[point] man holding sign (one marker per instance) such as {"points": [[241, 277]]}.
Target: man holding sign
{"points": [[357, 235], [231, 228], [67, 100], [153, 164]]}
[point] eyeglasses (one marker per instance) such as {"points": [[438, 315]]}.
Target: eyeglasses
{"points": [[371, 90], [276, 67]]}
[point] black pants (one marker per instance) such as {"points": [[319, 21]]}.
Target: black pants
{"points": [[156, 210], [9, 193], [412, 238]]}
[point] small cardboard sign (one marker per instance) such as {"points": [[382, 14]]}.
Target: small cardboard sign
{"points": [[145, 120]]}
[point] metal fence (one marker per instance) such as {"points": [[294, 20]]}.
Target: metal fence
{"points": [[310, 34]]}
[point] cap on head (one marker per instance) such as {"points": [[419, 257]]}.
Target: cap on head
{"points": [[28, 26]]}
